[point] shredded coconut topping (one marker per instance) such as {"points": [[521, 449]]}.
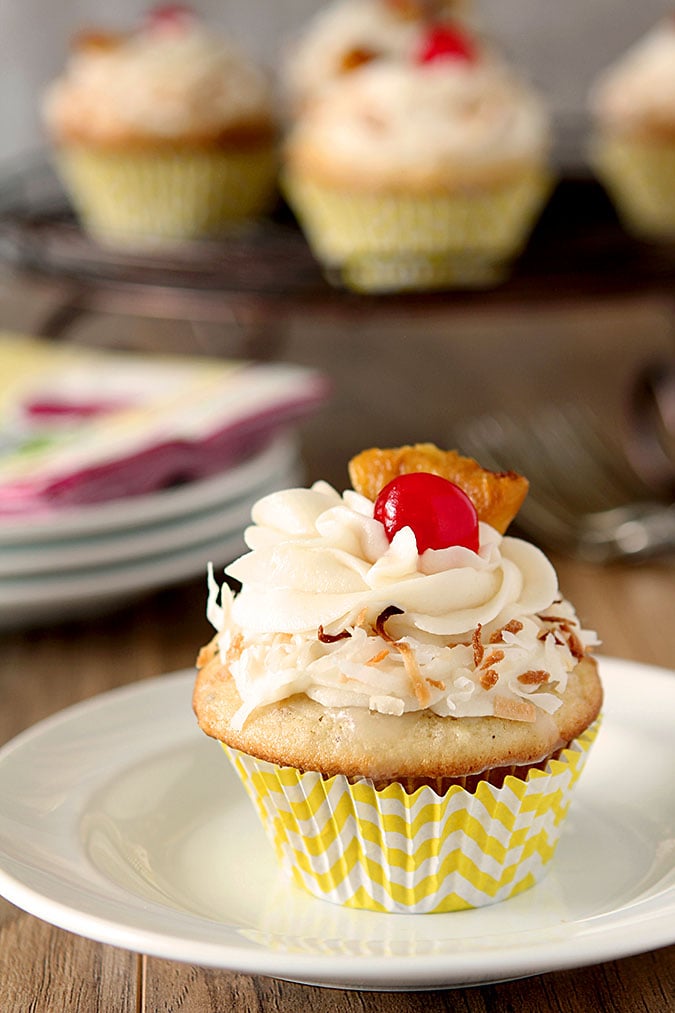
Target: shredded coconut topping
{"points": [[331, 609]]}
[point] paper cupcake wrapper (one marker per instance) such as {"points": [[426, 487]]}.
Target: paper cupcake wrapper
{"points": [[128, 198], [389, 851], [640, 179], [381, 242]]}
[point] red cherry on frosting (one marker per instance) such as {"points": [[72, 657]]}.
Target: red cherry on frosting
{"points": [[438, 511], [170, 17], [442, 42]]}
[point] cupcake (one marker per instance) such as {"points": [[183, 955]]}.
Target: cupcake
{"points": [[633, 149], [404, 692], [347, 34], [164, 133], [421, 173]]}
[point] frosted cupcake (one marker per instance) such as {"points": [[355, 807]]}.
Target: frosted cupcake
{"points": [[633, 151], [423, 173], [404, 692], [164, 133], [347, 34]]}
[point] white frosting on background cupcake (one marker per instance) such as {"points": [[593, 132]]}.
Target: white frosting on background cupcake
{"points": [[638, 91], [158, 83], [346, 31], [400, 120]]}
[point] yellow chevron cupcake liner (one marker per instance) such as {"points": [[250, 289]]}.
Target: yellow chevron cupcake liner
{"points": [[640, 180], [378, 242], [386, 850], [142, 198]]}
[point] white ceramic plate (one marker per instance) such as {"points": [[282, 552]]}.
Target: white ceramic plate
{"points": [[73, 560], [57, 596], [166, 504], [123, 823], [22, 563]]}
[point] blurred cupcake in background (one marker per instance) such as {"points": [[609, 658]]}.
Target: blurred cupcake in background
{"points": [[164, 133], [633, 149], [346, 34], [420, 172]]}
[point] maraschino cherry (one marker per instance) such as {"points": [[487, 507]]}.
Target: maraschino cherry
{"points": [[170, 17], [438, 511], [443, 42]]}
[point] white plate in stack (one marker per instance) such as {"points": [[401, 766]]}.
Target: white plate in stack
{"points": [[86, 559]]}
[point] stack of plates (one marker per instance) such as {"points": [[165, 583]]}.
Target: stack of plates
{"points": [[87, 559]]}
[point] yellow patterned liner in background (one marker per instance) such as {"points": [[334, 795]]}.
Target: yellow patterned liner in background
{"points": [[385, 850], [379, 241], [140, 198], [640, 179]]}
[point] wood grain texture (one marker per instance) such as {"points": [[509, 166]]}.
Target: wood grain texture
{"points": [[641, 984], [47, 970]]}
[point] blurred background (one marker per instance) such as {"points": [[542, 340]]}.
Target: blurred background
{"points": [[562, 46], [585, 320], [149, 396]]}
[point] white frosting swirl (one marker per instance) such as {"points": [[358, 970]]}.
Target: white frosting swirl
{"points": [[380, 28], [449, 116], [322, 560], [159, 84], [638, 91]]}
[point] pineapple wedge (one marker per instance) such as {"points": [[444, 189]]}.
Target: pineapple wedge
{"points": [[496, 495]]}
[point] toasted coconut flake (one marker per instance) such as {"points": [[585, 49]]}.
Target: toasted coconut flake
{"points": [[543, 634], [332, 638], [419, 685], [534, 677], [489, 679], [575, 646], [377, 658], [514, 710], [361, 617], [436, 683], [513, 626], [384, 616], [207, 653], [478, 649], [234, 650], [493, 658]]}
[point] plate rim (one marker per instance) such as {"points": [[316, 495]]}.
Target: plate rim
{"points": [[55, 561], [365, 971], [164, 504]]}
